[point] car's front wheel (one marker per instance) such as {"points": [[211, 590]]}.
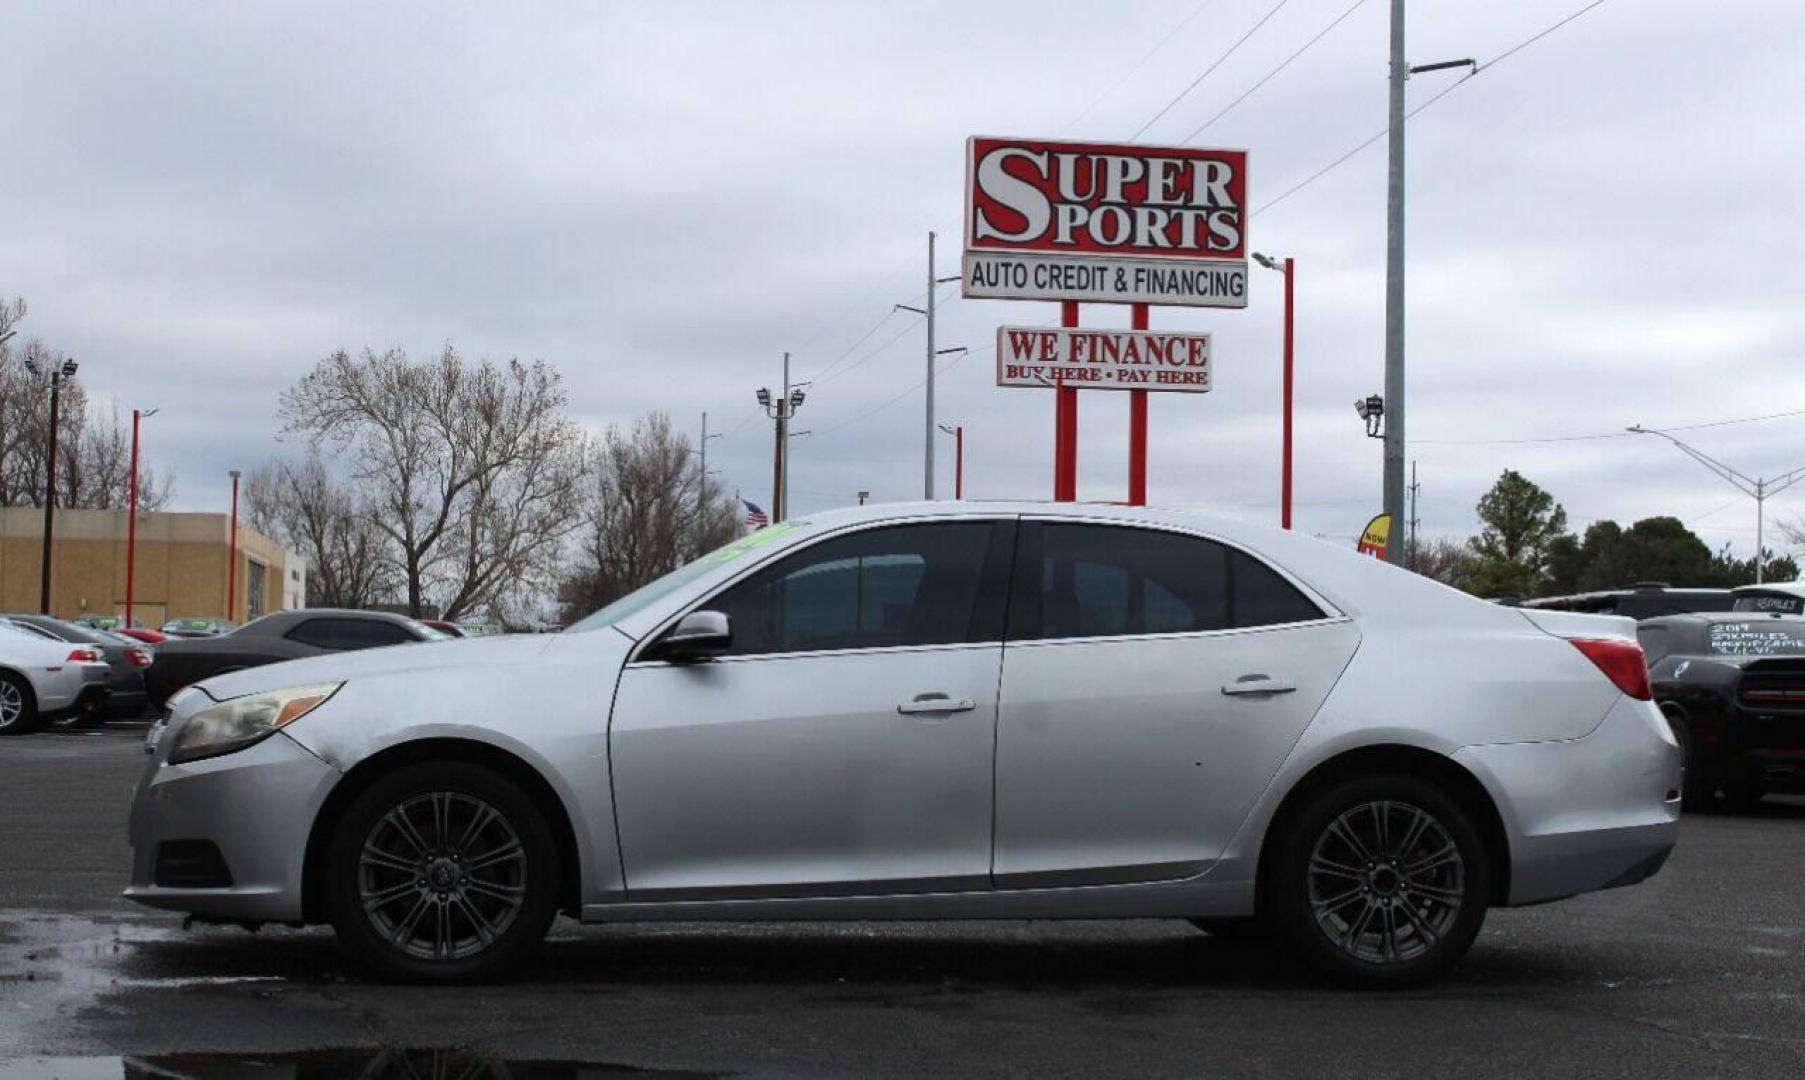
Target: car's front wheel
{"points": [[1381, 881], [442, 871]]}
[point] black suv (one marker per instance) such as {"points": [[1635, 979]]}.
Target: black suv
{"points": [[1732, 685], [1642, 601]]}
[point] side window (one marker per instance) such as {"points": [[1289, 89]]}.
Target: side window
{"points": [[342, 635], [1075, 581], [1262, 598], [879, 588]]}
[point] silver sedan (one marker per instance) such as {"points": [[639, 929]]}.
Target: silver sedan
{"points": [[935, 711]]}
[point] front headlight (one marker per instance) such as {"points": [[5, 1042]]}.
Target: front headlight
{"points": [[233, 725]]}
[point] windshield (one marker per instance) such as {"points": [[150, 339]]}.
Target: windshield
{"points": [[428, 633], [1764, 638], [683, 575]]}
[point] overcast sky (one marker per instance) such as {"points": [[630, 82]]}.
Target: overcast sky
{"points": [[200, 200]]}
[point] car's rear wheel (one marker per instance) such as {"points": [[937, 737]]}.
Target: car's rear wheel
{"points": [[1693, 793], [1381, 881], [442, 871], [18, 705]]}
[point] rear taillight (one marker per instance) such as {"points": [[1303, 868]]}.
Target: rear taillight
{"points": [[138, 657], [1621, 661], [83, 656]]}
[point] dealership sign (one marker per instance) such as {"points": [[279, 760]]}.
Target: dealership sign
{"points": [[1105, 223], [1102, 359]]}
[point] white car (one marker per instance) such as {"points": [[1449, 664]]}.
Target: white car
{"points": [[931, 711], [41, 678]]}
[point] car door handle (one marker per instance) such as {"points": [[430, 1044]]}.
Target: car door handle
{"points": [[1258, 684], [935, 703]]}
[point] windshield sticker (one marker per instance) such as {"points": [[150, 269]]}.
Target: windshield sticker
{"points": [[729, 552], [1757, 639]]}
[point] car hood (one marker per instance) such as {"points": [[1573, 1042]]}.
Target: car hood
{"points": [[424, 656]]}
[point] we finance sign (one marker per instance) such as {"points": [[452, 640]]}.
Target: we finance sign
{"points": [[1105, 222], [1102, 359]]}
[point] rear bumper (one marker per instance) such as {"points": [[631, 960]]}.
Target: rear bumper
{"points": [[256, 807], [1585, 814]]}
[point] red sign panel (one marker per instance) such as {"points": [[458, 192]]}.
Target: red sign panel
{"points": [[1079, 198]]}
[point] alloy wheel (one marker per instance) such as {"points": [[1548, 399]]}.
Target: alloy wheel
{"points": [[1386, 882], [12, 703], [442, 875]]}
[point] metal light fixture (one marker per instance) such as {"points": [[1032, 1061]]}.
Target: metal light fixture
{"points": [[1372, 410], [31, 365], [796, 397], [764, 397], [69, 368], [1269, 262]]}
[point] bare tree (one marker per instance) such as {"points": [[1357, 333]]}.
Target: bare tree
{"points": [[647, 511], [1443, 559], [93, 449], [468, 469], [347, 555]]}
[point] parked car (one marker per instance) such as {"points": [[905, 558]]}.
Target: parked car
{"points": [[126, 662], [1192, 718], [197, 627], [449, 629], [284, 635], [1783, 597], [139, 633], [95, 620], [1733, 687], [1643, 601], [45, 681]]}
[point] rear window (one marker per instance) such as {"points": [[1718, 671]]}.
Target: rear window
{"points": [[1757, 638]]}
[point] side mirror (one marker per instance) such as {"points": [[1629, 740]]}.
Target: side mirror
{"points": [[700, 635]]}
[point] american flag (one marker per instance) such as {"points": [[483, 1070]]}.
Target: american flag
{"points": [[755, 517]]}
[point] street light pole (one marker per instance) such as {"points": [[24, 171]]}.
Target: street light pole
{"points": [[1758, 488], [57, 374], [781, 411], [131, 525], [1394, 286]]}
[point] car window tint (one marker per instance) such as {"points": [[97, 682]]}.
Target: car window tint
{"points": [[345, 634], [1263, 598], [1100, 581], [880, 588]]}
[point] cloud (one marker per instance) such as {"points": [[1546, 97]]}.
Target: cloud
{"points": [[661, 199]]}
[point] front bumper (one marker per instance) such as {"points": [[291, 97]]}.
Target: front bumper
{"points": [[256, 806], [1585, 814]]}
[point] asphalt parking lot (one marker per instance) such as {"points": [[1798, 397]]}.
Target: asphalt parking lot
{"points": [[1699, 972]]}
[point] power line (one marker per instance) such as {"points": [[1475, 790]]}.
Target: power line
{"points": [[1606, 434], [1245, 94], [1137, 65], [1449, 89], [939, 371], [1186, 92]]}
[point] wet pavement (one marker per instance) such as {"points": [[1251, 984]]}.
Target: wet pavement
{"points": [[1699, 972]]}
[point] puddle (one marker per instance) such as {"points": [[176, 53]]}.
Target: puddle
{"points": [[367, 1064]]}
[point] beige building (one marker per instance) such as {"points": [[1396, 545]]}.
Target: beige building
{"points": [[181, 566]]}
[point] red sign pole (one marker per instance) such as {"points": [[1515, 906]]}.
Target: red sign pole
{"points": [[958, 461], [1065, 425], [1137, 427], [131, 522]]}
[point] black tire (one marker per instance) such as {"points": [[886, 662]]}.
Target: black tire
{"points": [[1414, 902], [382, 939], [18, 700], [1694, 793]]}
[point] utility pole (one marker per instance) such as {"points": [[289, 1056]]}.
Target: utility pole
{"points": [[1410, 538], [927, 475], [1394, 286], [1758, 488], [781, 410], [957, 431], [927, 482], [702, 478], [1394, 272]]}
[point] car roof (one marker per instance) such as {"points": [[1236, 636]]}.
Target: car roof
{"points": [[280, 622]]}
